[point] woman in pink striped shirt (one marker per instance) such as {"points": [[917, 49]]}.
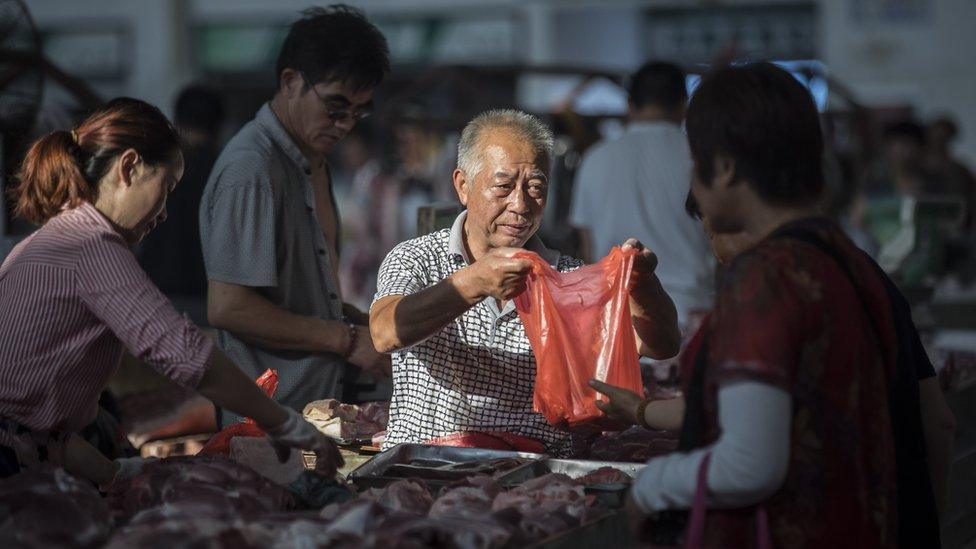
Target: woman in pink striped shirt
{"points": [[72, 296]]}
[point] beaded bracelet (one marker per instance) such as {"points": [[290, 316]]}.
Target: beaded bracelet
{"points": [[353, 333], [641, 408]]}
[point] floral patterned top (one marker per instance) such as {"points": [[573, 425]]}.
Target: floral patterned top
{"points": [[788, 315]]}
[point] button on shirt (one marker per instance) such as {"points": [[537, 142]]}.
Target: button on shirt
{"points": [[259, 228], [475, 374], [636, 186], [71, 296]]}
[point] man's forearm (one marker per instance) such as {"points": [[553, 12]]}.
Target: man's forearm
{"points": [[655, 320], [251, 317], [401, 321]]}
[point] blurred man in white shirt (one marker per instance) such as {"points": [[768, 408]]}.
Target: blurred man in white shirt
{"points": [[636, 185]]}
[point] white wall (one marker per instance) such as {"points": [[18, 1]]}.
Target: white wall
{"points": [[928, 63], [158, 67]]}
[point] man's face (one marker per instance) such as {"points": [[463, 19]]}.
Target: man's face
{"points": [[507, 195], [321, 115]]}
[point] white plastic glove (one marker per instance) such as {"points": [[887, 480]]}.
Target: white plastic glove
{"points": [[295, 432], [127, 468]]}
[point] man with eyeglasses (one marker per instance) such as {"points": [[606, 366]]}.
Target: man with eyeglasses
{"points": [[268, 218]]}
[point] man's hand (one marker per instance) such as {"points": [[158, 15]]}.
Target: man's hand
{"points": [[297, 433], [644, 264], [497, 274], [354, 315], [652, 311], [622, 405], [365, 356]]}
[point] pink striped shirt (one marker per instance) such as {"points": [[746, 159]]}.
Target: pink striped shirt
{"points": [[71, 296]]}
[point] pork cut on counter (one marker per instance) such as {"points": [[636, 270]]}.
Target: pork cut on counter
{"points": [[605, 475], [51, 509], [204, 485], [347, 421]]}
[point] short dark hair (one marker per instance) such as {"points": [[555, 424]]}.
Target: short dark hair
{"points": [[905, 129], [335, 44], [199, 107], [767, 123], [658, 83]]}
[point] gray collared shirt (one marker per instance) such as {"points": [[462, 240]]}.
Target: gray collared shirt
{"points": [[259, 228], [475, 374]]}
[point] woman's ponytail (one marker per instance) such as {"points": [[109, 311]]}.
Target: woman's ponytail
{"points": [[50, 177]]}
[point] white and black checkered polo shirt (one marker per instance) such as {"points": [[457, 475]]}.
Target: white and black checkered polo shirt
{"points": [[475, 374]]}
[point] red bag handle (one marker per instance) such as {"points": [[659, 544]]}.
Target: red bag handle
{"points": [[696, 523]]}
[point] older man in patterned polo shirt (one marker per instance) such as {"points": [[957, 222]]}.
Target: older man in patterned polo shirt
{"points": [[444, 309]]}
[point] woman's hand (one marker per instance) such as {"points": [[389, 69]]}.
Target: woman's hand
{"points": [[297, 433], [622, 405]]}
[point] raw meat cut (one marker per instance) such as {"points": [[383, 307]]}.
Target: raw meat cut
{"points": [[605, 475], [408, 495], [347, 421], [315, 491], [208, 482], [453, 533], [464, 502], [51, 509], [483, 482], [633, 445]]}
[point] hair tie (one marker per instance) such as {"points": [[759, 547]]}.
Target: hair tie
{"points": [[74, 136]]}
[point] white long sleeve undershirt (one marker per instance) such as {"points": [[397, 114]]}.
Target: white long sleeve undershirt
{"points": [[749, 459]]}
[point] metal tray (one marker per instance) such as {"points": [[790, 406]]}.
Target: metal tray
{"points": [[362, 441], [435, 465]]}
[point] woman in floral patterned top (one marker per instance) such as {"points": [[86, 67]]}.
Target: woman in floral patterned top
{"points": [[794, 383]]}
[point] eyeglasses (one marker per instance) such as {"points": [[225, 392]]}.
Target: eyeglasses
{"points": [[334, 114]]}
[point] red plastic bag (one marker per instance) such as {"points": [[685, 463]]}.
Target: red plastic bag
{"points": [[579, 326], [220, 442]]}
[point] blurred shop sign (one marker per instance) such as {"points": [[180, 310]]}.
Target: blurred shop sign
{"points": [[693, 35], [236, 48], [251, 46], [89, 51], [487, 39], [890, 11]]}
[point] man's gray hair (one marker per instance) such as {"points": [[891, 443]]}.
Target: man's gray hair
{"points": [[523, 124]]}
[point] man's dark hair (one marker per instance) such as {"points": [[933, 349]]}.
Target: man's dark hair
{"points": [[658, 83], [905, 129], [335, 44], [201, 108], [762, 118]]}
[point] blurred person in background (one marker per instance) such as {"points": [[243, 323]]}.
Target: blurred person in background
{"points": [[636, 186], [269, 223], [952, 176], [171, 255], [370, 216], [72, 297], [899, 168], [782, 348]]}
